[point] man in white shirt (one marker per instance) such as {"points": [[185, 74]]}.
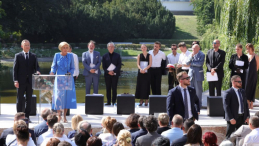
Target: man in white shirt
{"points": [[91, 60], [156, 68], [51, 120], [253, 136], [76, 62], [173, 59], [183, 58]]}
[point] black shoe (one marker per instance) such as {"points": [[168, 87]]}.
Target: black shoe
{"points": [[140, 104], [107, 104], [146, 104]]}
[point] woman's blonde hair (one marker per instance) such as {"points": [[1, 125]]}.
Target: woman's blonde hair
{"points": [[124, 138], [58, 128], [62, 44], [108, 123], [75, 121]]}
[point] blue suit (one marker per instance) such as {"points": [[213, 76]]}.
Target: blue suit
{"points": [[41, 128], [196, 73], [91, 77]]}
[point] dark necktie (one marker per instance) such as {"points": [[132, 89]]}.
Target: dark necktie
{"points": [[27, 59], [241, 100], [186, 113]]}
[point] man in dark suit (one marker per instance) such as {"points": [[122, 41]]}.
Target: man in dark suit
{"points": [[25, 64], [215, 60], [235, 106], [17, 117], [182, 141], [182, 99], [42, 127], [142, 130], [151, 125], [111, 63]]}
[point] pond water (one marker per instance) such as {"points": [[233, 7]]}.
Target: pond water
{"points": [[127, 82]]}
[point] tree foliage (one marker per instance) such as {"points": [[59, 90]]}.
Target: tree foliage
{"points": [[82, 20]]}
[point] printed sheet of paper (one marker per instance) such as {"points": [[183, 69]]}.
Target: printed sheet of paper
{"points": [[143, 64], [240, 63], [211, 77], [111, 67]]}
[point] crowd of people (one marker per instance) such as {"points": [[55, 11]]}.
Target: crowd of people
{"points": [[140, 131]]}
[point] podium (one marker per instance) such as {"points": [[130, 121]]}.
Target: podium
{"points": [[50, 85]]}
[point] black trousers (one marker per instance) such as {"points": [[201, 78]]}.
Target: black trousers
{"points": [[75, 80], [172, 81], [155, 78], [217, 85], [111, 84], [22, 104], [231, 128]]}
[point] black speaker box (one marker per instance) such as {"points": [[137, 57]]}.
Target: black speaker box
{"points": [[215, 106], [33, 105], [125, 104], [94, 104], [157, 104]]}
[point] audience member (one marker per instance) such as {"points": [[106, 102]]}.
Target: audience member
{"points": [[108, 124], [51, 120], [226, 143], [21, 135], [64, 143], [253, 136], [42, 127], [94, 141], [132, 122], [17, 116], [53, 142], [58, 132], [103, 130], [81, 138], [194, 136], [85, 126], [117, 127], [209, 139], [241, 133], [182, 141], [151, 125], [163, 122], [74, 123], [142, 131], [124, 138], [175, 132], [161, 141]]}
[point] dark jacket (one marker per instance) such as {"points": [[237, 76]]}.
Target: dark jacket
{"points": [[116, 60], [137, 134], [162, 129], [218, 64], [180, 142]]}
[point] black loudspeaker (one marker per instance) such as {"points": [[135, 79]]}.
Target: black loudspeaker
{"points": [[157, 104], [215, 106], [125, 104], [33, 105], [94, 104]]}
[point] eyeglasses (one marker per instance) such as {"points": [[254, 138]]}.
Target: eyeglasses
{"points": [[187, 78], [174, 48], [238, 81], [214, 43]]}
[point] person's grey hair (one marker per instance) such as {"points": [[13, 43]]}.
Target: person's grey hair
{"points": [[87, 127], [254, 120], [58, 128], [45, 112], [110, 43], [234, 77], [226, 143], [25, 40], [177, 120]]}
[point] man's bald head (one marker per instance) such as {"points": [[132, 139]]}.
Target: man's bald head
{"points": [[84, 125], [45, 112], [196, 48]]}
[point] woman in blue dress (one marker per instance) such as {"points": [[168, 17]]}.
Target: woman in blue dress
{"points": [[63, 97]]}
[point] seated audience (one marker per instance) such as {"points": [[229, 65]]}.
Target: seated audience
{"points": [[58, 132], [163, 122], [151, 125], [132, 122], [108, 124], [241, 133], [186, 126], [85, 126], [142, 131], [175, 132], [51, 120], [53, 142], [117, 127], [74, 123], [64, 143], [124, 138], [161, 141], [81, 138], [94, 141], [17, 116], [210, 139], [194, 136], [103, 130], [42, 127], [253, 137], [226, 143], [21, 135]]}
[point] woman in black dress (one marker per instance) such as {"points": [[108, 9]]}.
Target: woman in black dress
{"points": [[144, 62], [251, 75]]}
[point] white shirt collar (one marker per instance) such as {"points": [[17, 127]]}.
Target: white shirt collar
{"points": [[235, 88], [25, 52], [182, 87], [90, 52]]}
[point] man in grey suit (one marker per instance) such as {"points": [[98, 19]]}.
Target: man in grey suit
{"points": [[151, 125], [196, 61], [241, 133], [91, 60]]}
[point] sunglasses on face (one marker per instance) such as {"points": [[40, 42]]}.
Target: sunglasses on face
{"points": [[214, 43], [238, 81], [174, 48], [187, 78]]}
